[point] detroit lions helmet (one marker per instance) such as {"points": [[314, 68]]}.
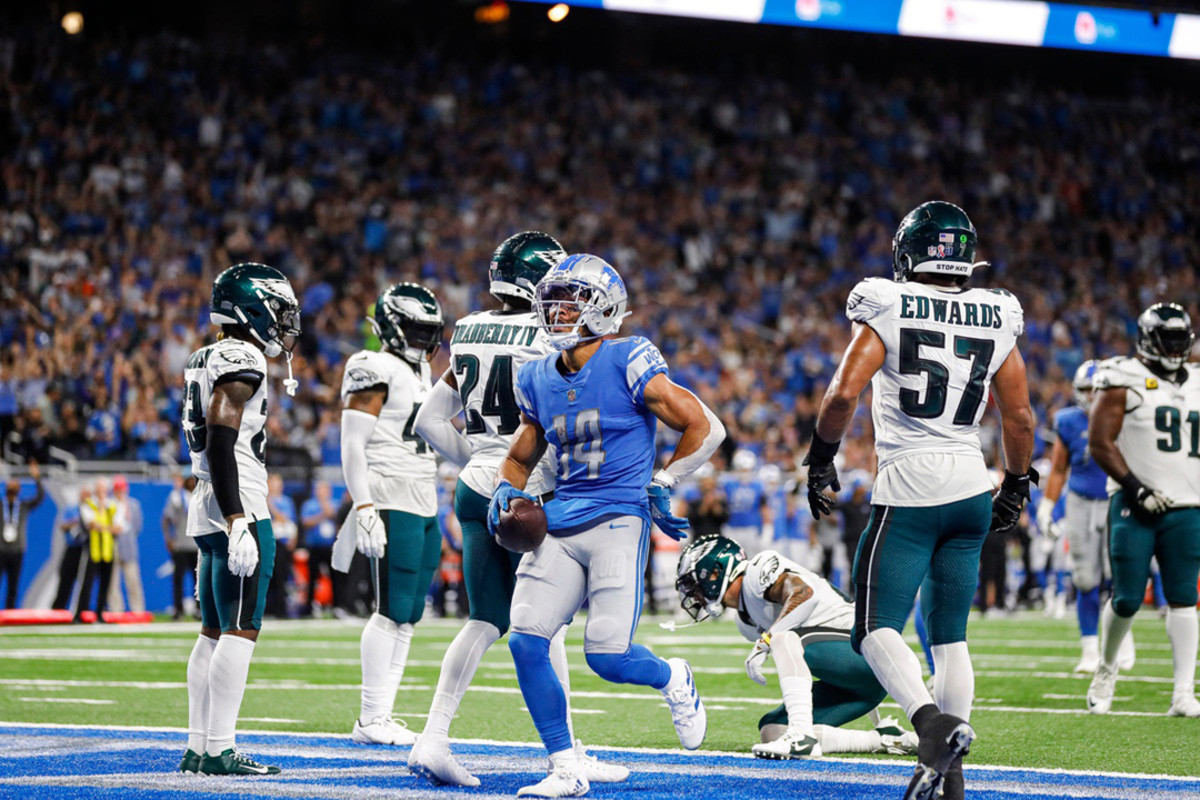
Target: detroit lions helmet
{"points": [[1083, 382], [586, 286], [519, 263], [258, 299], [706, 568], [408, 321], [935, 237], [1165, 335]]}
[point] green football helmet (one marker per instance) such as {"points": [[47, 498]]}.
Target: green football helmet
{"points": [[519, 263], [258, 299], [935, 237], [706, 568], [1165, 335], [409, 323]]}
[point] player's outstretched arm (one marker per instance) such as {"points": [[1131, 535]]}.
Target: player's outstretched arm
{"points": [[434, 421], [224, 417], [682, 411]]}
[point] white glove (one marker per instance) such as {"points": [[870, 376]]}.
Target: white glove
{"points": [[371, 539], [754, 661], [1153, 501], [243, 549], [1045, 517]]}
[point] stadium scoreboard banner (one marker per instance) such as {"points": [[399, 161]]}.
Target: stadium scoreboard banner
{"points": [[1017, 22]]}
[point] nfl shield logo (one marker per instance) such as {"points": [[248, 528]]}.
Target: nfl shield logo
{"points": [[570, 395]]}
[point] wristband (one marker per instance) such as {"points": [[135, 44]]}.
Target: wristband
{"points": [[821, 451], [1130, 483]]}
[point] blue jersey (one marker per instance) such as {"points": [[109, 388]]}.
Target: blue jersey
{"points": [[1087, 478], [745, 498], [599, 424]]}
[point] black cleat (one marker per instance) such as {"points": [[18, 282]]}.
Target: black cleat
{"points": [[944, 741]]}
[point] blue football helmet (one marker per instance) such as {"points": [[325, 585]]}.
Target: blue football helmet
{"points": [[588, 286]]}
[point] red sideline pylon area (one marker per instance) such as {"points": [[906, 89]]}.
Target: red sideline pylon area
{"points": [[45, 616]]}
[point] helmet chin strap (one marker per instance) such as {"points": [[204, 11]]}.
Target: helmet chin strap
{"points": [[290, 384], [672, 625]]}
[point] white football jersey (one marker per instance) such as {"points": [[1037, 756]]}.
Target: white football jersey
{"points": [[830, 609], [1160, 437], [943, 345], [226, 358], [402, 468], [485, 353]]}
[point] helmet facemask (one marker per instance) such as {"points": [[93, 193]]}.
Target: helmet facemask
{"points": [[1165, 336], [706, 569]]}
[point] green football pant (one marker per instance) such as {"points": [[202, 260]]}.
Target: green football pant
{"points": [[227, 601], [403, 576], [844, 689], [489, 570], [900, 547], [1172, 537]]}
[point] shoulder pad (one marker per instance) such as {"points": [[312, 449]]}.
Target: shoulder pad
{"points": [[362, 372], [869, 298], [231, 356], [762, 572]]}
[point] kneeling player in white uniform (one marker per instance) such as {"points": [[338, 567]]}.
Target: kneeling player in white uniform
{"points": [[804, 623], [392, 476]]}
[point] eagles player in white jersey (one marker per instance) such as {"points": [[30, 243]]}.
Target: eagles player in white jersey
{"points": [[1144, 431], [224, 421], [804, 623], [930, 347], [485, 352], [391, 475]]}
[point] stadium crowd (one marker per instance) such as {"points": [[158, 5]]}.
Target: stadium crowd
{"points": [[740, 211]]}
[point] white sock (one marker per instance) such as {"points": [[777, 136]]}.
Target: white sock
{"points": [[226, 685], [378, 642], [841, 740], [458, 670], [896, 666], [1113, 628], [1090, 646], [197, 680], [874, 716], [1182, 630], [564, 758], [558, 660], [795, 680], [953, 679], [404, 634]]}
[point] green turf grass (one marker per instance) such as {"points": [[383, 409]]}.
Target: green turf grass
{"points": [[305, 678]]}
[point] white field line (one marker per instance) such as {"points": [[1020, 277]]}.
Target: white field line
{"points": [[699, 755]]}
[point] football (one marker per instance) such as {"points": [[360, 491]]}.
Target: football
{"points": [[522, 527]]}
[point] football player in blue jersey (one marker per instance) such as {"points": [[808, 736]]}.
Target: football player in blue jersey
{"points": [[598, 401], [749, 505], [1086, 519]]}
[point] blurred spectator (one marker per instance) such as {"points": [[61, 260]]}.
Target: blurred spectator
{"points": [[73, 566], [97, 514], [283, 524], [318, 516], [14, 517], [706, 510], [749, 508], [128, 523], [182, 547]]}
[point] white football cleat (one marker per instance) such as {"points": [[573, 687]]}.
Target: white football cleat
{"points": [[1127, 655], [687, 710], [1103, 687], [1184, 705], [566, 781], [793, 744], [596, 770], [431, 758], [894, 739], [383, 730]]}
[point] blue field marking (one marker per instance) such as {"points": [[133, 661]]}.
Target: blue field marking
{"points": [[43, 761]]}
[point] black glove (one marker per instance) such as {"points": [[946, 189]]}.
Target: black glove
{"points": [[1146, 502], [1008, 502], [821, 474]]}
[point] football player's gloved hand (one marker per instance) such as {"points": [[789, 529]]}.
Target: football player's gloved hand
{"points": [[754, 661], [501, 498], [1011, 498], [1045, 517], [822, 474], [1142, 497], [660, 511], [243, 549], [371, 539]]}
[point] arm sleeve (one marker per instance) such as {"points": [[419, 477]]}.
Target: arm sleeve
{"points": [[360, 375], [434, 424], [682, 467], [222, 466], [357, 427], [645, 361]]}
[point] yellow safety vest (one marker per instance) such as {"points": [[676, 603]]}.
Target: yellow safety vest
{"points": [[100, 532]]}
